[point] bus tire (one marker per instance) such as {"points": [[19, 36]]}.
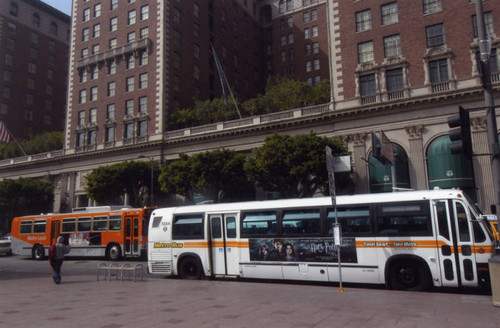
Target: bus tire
{"points": [[409, 275], [113, 252], [190, 268], [38, 252]]}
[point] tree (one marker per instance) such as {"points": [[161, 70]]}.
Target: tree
{"points": [[108, 184], [24, 197], [218, 175], [295, 166], [38, 144]]}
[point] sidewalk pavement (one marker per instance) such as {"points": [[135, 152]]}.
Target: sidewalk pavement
{"points": [[81, 301]]}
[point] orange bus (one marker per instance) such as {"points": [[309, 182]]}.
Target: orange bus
{"points": [[110, 231]]}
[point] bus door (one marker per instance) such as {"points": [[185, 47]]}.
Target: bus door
{"points": [[55, 230], [223, 246], [132, 235], [458, 267]]}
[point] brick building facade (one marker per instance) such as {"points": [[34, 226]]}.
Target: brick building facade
{"points": [[34, 47]]}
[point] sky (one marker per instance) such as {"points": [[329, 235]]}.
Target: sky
{"points": [[61, 5]]}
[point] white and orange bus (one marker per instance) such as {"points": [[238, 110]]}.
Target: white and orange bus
{"points": [[409, 240], [111, 231]]}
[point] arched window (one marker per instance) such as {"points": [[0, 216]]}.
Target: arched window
{"points": [[14, 9], [381, 173], [36, 19], [447, 170], [53, 28]]}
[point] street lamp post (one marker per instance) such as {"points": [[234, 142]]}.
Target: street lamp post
{"points": [[152, 199]]}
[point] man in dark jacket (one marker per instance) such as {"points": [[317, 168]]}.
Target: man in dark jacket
{"points": [[56, 257]]}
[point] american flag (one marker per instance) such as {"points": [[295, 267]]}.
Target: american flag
{"points": [[4, 133]]}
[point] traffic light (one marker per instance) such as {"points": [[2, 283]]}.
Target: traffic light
{"points": [[461, 142]]}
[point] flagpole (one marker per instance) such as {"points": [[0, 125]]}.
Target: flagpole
{"points": [[15, 140], [224, 79]]}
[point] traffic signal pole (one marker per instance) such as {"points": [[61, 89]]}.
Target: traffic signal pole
{"points": [[485, 52]]}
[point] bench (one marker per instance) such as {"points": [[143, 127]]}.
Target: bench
{"points": [[119, 271]]}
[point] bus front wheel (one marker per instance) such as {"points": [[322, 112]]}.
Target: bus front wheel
{"points": [[38, 252], [409, 275], [190, 268], [113, 252]]}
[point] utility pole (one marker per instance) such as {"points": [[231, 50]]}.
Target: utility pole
{"points": [[485, 52]]}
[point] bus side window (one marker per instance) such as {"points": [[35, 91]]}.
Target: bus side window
{"points": [[412, 218], [100, 223], [442, 217], [259, 223], [26, 227], [188, 227], [84, 224], [115, 223], [39, 226], [354, 220], [301, 222], [68, 225], [463, 223]]}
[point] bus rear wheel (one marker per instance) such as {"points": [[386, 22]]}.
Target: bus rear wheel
{"points": [[190, 268], [38, 252], [409, 275], [113, 252]]}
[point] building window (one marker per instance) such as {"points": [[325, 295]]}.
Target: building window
{"points": [[435, 35], [114, 4], [290, 38], [83, 97], [365, 52], [131, 37], [143, 104], [94, 74], [53, 28], [110, 112], [81, 118], [95, 49], [306, 17], [367, 85], [177, 15], [283, 40], [131, 17], [143, 81], [129, 131], [130, 62], [488, 22], [112, 67], [143, 128], [93, 115], [32, 68], [96, 30], [93, 94], [9, 60], [86, 14], [394, 78], [144, 32], [85, 34], [92, 137], [34, 38], [145, 12], [14, 9], [97, 10], [390, 13], [438, 70], [308, 66], [392, 46], [307, 33], [143, 60], [36, 19], [80, 137], [12, 28], [314, 14], [432, 6], [314, 31], [363, 20], [130, 84], [110, 134], [315, 46], [113, 43], [129, 107], [113, 24], [6, 92], [316, 64], [111, 89]]}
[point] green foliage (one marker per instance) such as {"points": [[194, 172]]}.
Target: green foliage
{"points": [[24, 197], [295, 166], [108, 184], [218, 175], [38, 144], [281, 94]]}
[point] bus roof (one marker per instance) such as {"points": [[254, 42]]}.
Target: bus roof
{"points": [[320, 201]]}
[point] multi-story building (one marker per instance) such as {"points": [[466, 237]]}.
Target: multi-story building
{"points": [[135, 62], [34, 39]]}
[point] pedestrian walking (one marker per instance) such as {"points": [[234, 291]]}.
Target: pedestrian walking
{"points": [[56, 257]]}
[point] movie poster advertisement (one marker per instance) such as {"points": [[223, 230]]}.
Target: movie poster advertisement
{"points": [[302, 250]]}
